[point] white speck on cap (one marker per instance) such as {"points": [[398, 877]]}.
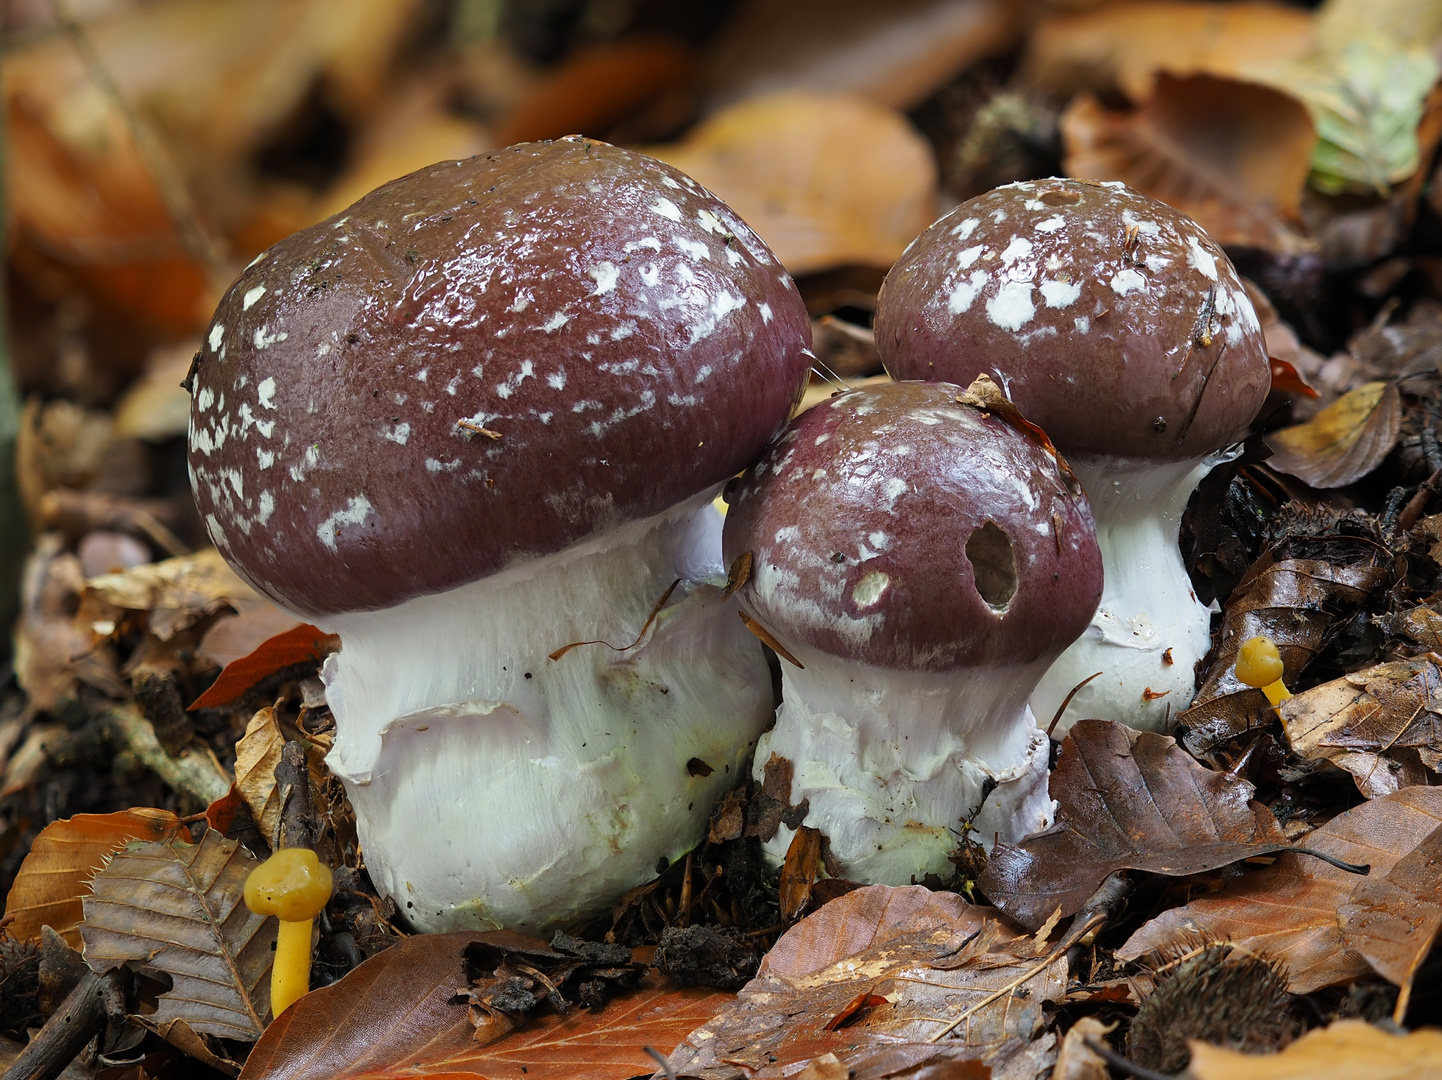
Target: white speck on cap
{"points": [[1051, 224], [356, 511], [217, 332], [1126, 281], [869, 589], [667, 209], [966, 257], [251, 296], [265, 393], [1060, 294], [1011, 308], [605, 275], [965, 292], [1198, 258]]}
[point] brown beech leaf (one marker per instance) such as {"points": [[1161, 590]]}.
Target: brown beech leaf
{"points": [[1345, 1050], [1128, 800], [178, 908], [1343, 442], [1393, 921], [357, 1028], [800, 871], [256, 756], [1292, 601], [1288, 911], [302, 644], [879, 967], [1233, 155], [232, 636], [1375, 723], [824, 180], [62, 860], [177, 593]]}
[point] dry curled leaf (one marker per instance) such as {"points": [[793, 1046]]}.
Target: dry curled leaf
{"points": [[1232, 155], [353, 1029], [825, 181], [1345, 1050], [1128, 800], [1383, 725], [1288, 911], [877, 967], [177, 593], [177, 908], [57, 872], [1343, 442], [256, 756]]}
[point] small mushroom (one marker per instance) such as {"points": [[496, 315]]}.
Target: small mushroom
{"points": [[923, 562], [477, 418], [1259, 665], [1120, 327], [294, 886]]}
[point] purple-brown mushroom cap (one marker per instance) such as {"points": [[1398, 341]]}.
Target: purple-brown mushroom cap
{"points": [[1111, 320], [483, 362], [896, 527]]}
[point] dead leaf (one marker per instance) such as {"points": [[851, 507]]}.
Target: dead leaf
{"points": [[1128, 800], [177, 593], [1126, 44], [57, 872], [1232, 155], [1293, 601], [1393, 921], [353, 1028], [1078, 1061], [1344, 1050], [1343, 442], [881, 958], [231, 637], [177, 908], [303, 644], [1366, 723], [1288, 911], [256, 756], [800, 871], [825, 181]]}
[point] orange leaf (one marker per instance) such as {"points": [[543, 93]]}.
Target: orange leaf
{"points": [[56, 875], [357, 1029], [299, 645], [1287, 379]]}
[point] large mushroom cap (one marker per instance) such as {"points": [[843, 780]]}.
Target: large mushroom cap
{"points": [[482, 362], [896, 527], [1113, 322]]}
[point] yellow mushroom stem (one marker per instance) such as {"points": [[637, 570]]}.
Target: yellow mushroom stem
{"points": [[1259, 664], [293, 885]]}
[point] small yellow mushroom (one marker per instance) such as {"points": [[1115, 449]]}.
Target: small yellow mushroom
{"points": [[293, 885], [1259, 664]]}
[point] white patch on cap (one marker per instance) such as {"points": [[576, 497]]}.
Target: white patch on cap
{"points": [[1083, 324], [722, 306], [787, 534], [693, 248], [217, 332], [965, 258], [966, 228], [251, 296], [635, 245], [670, 183], [1019, 248], [1128, 280], [434, 465], [765, 310], [265, 458], [1059, 294], [1011, 308], [965, 292], [667, 209], [265, 393], [1198, 258], [264, 339], [869, 589], [893, 489], [1050, 225], [205, 398], [267, 507], [356, 511], [710, 222], [557, 380], [604, 275], [399, 434], [555, 322]]}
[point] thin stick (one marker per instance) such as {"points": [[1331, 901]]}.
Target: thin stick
{"points": [[564, 649], [1030, 974], [1067, 701], [1116, 1061], [660, 1060]]}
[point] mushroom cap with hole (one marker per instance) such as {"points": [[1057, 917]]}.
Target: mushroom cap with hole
{"points": [[896, 527], [1111, 320], [481, 363]]}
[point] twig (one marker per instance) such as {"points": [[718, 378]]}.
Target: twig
{"points": [[1067, 701], [81, 1015], [1116, 1061], [662, 1061], [194, 771], [292, 781]]}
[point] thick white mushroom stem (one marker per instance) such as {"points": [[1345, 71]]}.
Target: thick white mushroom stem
{"points": [[892, 762], [494, 786], [1150, 630]]}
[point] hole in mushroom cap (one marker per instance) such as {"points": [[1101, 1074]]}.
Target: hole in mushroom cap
{"points": [[993, 564], [1060, 197]]}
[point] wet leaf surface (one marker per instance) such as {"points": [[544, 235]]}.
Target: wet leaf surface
{"points": [[1288, 911], [65, 856], [1127, 800], [879, 966], [1345, 441], [177, 909], [399, 1015]]}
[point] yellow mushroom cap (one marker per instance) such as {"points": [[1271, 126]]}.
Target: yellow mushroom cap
{"points": [[292, 884], [1258, 662]]}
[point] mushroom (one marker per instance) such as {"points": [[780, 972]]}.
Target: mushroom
{"points": [[476, 418], [294, 886], [1118, 326], [921, 561]]}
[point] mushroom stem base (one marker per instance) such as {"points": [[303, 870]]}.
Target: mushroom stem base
{"points": [[1149, 630], [892, 762]]}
